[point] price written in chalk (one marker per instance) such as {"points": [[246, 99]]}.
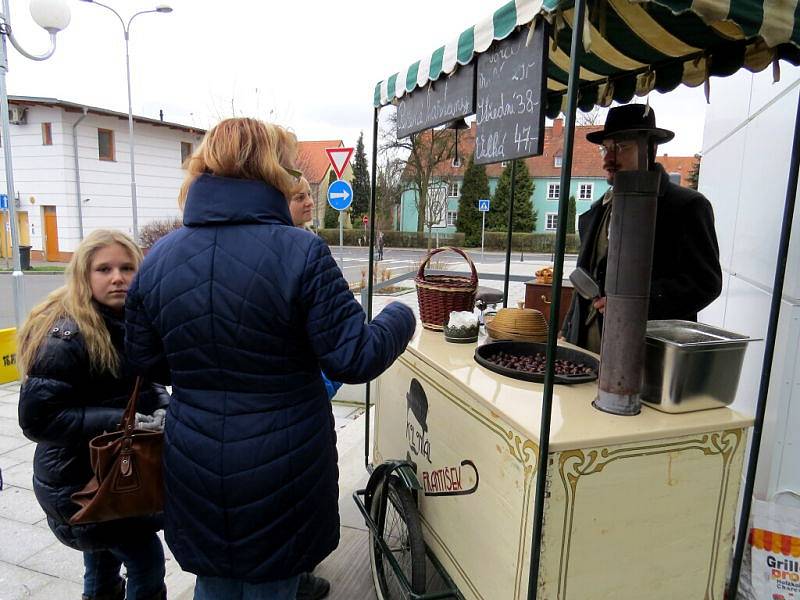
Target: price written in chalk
{"points": [[511, 87]]}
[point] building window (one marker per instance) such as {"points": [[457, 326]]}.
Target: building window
{"points": [[452, 217], [557, 161], [105, 144], [186, 151], [553, 191], [453, 189], [585, 191], [675, 178], [47, 134], [552, 222]]}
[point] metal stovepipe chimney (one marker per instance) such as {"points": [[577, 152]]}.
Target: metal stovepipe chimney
{"points": [[627, 286]]}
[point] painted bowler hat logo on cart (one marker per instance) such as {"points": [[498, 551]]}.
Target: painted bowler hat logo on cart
{"points": [[457, 480]]}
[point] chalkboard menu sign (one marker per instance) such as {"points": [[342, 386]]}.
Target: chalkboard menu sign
{"points": [[511, 97], [439, 102]]}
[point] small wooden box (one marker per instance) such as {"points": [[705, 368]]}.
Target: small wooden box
{"points": [[537, 295]]}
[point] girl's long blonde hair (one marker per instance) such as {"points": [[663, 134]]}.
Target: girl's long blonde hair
{"points": [[74, 300], [244, 148]]}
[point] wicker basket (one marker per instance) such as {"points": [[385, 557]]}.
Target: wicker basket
{"points": [[439, 295]]}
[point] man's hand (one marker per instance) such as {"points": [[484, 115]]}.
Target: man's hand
{"points": [[600, 305]]}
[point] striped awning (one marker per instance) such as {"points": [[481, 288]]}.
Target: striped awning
{"points": [[631, 48]]}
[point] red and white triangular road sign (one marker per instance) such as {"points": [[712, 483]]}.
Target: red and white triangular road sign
{"points": [[339, 158]]}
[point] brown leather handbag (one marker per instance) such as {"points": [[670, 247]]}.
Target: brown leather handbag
{"points": [[128, 477]]}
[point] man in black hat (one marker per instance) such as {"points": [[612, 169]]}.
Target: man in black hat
{"points": [[686, 275]]}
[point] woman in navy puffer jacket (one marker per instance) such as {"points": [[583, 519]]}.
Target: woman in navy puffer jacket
{"points": [[247, 309]]}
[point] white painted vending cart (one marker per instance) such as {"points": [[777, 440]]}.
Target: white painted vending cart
{"points": [[623, 507], [635, 508]]}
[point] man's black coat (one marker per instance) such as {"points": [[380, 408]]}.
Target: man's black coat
{"points": [[686, 273]]}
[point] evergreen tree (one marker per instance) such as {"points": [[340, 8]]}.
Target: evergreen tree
{"points": [[474, 187], [360, 181], [571, 210], [524, 216]]}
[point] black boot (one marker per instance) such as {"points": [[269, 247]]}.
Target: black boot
{"points": [[117, 593], [312, 588]]}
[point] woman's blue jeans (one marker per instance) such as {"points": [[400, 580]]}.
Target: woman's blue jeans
{"points": [[217, 588], [144, 562]]}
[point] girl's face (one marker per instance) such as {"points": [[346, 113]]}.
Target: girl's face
{"points": [[301, 207], [110, 274]]}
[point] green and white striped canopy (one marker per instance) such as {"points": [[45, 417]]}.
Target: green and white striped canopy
{"points": [[630, 47]]}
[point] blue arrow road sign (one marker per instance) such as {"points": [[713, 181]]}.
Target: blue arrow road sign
{"points": [[483, 205], [3, 202], [340, 195]]}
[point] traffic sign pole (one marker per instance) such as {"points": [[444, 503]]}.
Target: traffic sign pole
{"points": [[483, 233], [341, 241]]}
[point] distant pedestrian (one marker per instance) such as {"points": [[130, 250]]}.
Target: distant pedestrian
{"points": [[248, 309], [75, 385], [380, 245]]}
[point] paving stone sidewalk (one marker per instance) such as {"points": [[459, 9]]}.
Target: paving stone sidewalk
{"points": [[36, 566]]}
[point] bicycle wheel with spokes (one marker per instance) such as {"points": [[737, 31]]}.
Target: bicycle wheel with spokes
{"points": [[401, 529]]}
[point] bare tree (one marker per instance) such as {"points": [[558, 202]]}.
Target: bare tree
{"points": [[594, 117], [424, 152], [389, 188], [436, 209]]}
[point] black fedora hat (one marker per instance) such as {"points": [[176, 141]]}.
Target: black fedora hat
{"points": [[631, 118]]}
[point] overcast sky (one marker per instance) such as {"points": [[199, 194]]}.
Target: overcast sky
{"points": [[308, 64]]}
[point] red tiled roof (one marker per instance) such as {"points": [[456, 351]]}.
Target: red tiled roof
{"points": [[586, 159], [313, 160], [679, 164]]}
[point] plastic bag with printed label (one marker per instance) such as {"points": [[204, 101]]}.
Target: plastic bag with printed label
{"points": [[775, 551]]}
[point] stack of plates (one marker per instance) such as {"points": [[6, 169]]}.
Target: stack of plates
{"points": [[518, 324]]}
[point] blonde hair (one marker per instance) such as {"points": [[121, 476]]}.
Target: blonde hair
{"points": [[74, 300], [301, 186], [244, 148]]}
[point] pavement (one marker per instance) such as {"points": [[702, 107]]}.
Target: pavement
{"points": [[34, 565]]}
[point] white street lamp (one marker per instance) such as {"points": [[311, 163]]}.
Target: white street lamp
{"points": [[126, 28], [53, 16]]}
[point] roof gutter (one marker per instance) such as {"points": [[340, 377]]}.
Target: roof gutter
{"points": [[78, 202]]}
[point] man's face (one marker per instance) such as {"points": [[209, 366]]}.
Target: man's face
{"points": [[619, 155]]}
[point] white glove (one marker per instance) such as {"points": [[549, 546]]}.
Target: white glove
{"points": [[154, 422]]}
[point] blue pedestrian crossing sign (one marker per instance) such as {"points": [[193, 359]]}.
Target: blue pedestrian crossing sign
{"points": [[340, 195], [483, 205]]}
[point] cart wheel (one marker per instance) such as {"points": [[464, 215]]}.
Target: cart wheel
{"points": [[402, 532]]}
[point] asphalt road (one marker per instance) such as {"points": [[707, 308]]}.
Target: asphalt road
{"points": [[354, 261]]}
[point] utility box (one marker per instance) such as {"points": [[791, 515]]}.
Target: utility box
{"points": [[8, 355]]}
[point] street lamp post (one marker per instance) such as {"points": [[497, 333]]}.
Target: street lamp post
{"points": [[126, 28], [53, 16]]}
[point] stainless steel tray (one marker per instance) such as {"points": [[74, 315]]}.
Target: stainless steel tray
{"points": [[691, 366]]}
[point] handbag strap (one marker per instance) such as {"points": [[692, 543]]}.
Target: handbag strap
{"points": [[129, 416]]}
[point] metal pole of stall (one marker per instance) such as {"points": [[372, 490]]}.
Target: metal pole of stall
{"points": [[769, 352], [372, 197], [510, 231], [576, 51]]}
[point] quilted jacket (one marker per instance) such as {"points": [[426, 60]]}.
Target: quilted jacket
{"points": [[247, 309], [63, 405]]}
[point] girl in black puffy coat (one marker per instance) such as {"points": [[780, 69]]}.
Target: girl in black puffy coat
{"points": [[76, 385]]}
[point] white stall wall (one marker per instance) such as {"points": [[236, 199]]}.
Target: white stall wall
{"points": [[744, 172]]}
